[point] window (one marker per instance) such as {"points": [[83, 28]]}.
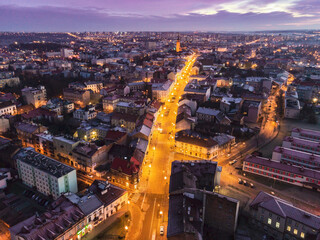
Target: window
{"points": [[288, 228], [269, 221], [295, 231], [302, 235], [277, 224]]}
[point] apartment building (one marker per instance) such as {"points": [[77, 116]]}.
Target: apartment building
{"points": [[35, 96], [47, 175], [282, 220]]}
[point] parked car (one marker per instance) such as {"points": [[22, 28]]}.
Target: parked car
{"points": [[240, 181]]}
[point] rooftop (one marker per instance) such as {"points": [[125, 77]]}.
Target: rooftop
{"points": [[42, 162]]}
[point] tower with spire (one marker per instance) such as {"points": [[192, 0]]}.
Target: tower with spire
{"points": [[178, 48]]}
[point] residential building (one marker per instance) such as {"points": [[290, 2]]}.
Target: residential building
{"points": [[88, 156], [114, 198], [282, 220], [26, 132], [301, 144], [291, 105], [79, 97], [290, 174], [307, 134], [47, 175], [200, 174], [189, 144], [91, 206], [212, 115], [251, 111], [127, 121], [44, 144], [63, 220], [86, 113], [201, 215], [8, 108], [63, 147], [295, 157], [109, 103], [160, 91], [35, 96], [93, 86]]}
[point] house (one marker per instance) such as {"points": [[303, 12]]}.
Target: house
{"points": [[251, 110]]}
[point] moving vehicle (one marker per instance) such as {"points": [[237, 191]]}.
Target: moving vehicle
{"points": [[161, 230]]}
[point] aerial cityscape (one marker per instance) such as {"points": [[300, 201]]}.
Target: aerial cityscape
{"points": [[142, 120]]}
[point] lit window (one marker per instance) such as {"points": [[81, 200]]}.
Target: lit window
{"points": [[302, 235], [277, 224], [295, 231], [288, 228], [269, 221]]}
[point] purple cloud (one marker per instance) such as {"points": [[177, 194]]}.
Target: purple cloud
{"points": [[45, 18]]}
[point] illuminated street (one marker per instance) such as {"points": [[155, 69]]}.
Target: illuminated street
{"points": [[154, 183]]}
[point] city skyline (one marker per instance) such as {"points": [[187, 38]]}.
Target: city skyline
{"points": [[142, 15]]}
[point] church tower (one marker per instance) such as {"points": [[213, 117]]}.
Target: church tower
{"points": [[178, 48]]}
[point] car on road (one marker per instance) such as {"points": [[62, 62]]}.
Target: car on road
{"points": [[245, 183], [233, 162], [161, 230], [240, 181], [251, 185]]}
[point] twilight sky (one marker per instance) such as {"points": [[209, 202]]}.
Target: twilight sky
{"points": [[158, 15]]}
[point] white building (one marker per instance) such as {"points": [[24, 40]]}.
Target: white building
{"points": [[85, 114], [47, 175], [35, 96], [8, 108]]}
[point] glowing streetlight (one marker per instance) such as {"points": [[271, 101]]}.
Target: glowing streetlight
{"points": [[126, 228]]}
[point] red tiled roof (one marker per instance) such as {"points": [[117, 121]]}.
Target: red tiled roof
{"points": [[114, 135], [128, 167], [39, 112]]}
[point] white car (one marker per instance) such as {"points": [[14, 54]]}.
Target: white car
{"points": [[161, 230]]}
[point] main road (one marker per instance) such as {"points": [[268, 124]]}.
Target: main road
{"points": [[154, 182]]}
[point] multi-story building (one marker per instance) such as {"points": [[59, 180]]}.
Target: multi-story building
{"points": [[93, 86], [35, 96], [84, 114], [212, 115], [63, 147], [113, 198], [160, 91], [295, 157], [91, 206], [307, 134], [203, 174], [44, 144], [127, 121], [88, 156], [8, 108], [26, 133], [281, 220], [63, 220], [282, 172], [109, 103], [130, 108], [196, 146], [47, 175], [79, 97], [301, 144]]}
